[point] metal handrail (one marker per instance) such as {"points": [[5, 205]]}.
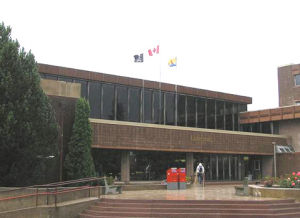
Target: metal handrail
{"points": [[55, 184], [56, 192]]}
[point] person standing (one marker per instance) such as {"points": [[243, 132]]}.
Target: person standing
{"points": [[200, 172]]}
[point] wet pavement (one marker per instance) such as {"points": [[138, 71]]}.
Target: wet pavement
{"points": [[196, 192]]}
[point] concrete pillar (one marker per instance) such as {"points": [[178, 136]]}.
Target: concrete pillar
{"points": [[240, 168], [190, 165], [125, 167], [267, 166]]}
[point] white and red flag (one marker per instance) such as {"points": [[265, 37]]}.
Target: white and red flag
{"points": [[153, 51]]}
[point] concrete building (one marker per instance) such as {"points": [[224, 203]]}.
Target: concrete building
{"points": [[141, 127]]}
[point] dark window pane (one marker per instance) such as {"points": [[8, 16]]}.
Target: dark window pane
{"points": [[134, 104], [147, 106], [50, 76], [191, 111], [266, 127], [43, 76], [220, 114], [95, 99], [236, 117], [213, 165], [170, 109], [181, 110], [83, 87], [255, 127], [66, 79], [210, 114], [246, 127], [234, 168], [276, 128], [242, 107], [158, 105], [108, 107], [220, 167], [229, 116], [122, 103], [297, 79], [226, 167], [201, 112]]}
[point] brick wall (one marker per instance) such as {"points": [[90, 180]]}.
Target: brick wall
{"points": [[288, 163], [138, 136], [288, 92]]}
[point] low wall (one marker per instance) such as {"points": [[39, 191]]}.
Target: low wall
{"points": [[66, 211], [44, 199], [290, 193]]}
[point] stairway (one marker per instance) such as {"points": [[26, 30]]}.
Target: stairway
{"points": [[192, 208]]}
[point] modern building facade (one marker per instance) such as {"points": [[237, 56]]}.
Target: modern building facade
{"points": [[284, 120], [141, 128]]}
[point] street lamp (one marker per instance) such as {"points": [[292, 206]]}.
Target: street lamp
{"points": [[275, 170]]}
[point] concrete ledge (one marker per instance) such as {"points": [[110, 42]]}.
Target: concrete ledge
{"points": [[272, 192]]}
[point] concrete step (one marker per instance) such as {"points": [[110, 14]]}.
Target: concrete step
{"points": [[199, 201], [190, 215], [195, 205], [181, 210], [192, 208], [232, 210]]}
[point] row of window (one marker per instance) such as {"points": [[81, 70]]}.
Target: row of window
{"points": [[264, 127], [135, 104]]}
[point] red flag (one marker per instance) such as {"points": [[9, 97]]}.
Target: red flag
{"points": [[153, 51]]}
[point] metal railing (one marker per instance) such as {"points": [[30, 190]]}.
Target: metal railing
{"points": [[48, 194]]}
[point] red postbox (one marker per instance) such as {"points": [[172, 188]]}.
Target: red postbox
{"points": [[181, 174], [181, 178], [172, 179]]}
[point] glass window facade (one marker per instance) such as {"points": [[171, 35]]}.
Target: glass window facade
{"points": [[191, 111], [220, 114], [134, 104], [84, 87], [201, 113], [181, 112], [147, 106], [158, 107], [122, 103], [228, 116], [170, 108], [129, 103], [95, 99], [65, 79], [211, 114], [108, 102]]}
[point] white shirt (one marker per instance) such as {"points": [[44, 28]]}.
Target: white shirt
{"points": [[198, 168]]}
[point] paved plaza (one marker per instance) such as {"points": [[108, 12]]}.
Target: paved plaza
{"points": [[196, 192]]}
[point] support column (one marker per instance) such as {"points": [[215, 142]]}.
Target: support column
{"points": [[125, 167], [267, 167], [190, 165]]}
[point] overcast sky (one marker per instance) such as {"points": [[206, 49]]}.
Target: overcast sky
{"points": [[231, 46]]}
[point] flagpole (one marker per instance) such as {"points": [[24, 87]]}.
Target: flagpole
{"points": [[160, 106]]}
